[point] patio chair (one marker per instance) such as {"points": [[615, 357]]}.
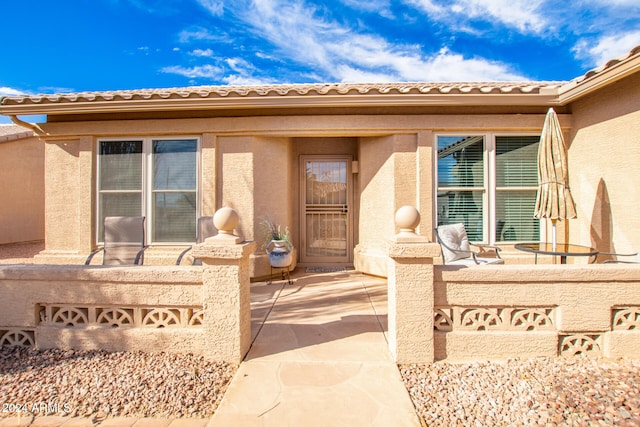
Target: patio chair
{"points": [[123, 241], [456, 248], [621, 258], [204, 229]]}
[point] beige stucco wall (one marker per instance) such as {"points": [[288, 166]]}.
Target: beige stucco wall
{"points": [[435, 312], [604, 159], [22, 190], [87, 307], [252, 164], [255, 179], [529, 311], [203, 310], [69, 188]]}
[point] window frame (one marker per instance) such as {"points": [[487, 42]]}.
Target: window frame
{"points": [[147, 189], [490, 190]]}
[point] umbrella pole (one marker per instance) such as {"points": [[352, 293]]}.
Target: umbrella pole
{"points": [[553, 234]]}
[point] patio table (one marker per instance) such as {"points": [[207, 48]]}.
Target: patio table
{"points": [[561, 249]]}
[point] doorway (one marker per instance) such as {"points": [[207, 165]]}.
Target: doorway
{"points": [[326, 209]]}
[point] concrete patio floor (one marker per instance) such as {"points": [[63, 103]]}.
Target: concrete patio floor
{"points": [[319, 358]]}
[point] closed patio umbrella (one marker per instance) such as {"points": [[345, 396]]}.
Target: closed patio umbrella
{"points": [[554, 199]]}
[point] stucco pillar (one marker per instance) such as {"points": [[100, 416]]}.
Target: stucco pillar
{"points": [[410, 290], [226, 294]]}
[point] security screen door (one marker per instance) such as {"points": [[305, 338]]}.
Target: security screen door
{"points": [[326, 209]]}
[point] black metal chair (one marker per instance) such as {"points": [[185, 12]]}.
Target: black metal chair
{"points": [[621, 258], [204, 229]]}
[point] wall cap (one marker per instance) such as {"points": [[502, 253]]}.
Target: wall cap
{"points": [[413, 250]]}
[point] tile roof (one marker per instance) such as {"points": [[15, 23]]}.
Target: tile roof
{"points": [[313, 94], [610, 64], [14, 132], [290, 90]]}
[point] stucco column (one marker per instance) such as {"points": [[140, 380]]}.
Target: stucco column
{"points": [[410, 291], [226, 292]]}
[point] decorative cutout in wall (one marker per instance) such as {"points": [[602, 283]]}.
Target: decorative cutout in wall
{"points": [[13, 337], [442, 320], [579, 344], [481, 319], [196, 318], [532, 319], [117, 317], [626, 318], [161, 317], [446, 319], [70, 316]]}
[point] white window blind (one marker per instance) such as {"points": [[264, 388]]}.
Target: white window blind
{"points": [[461, 183], [174, 190], [119, 180], [516, 186]]}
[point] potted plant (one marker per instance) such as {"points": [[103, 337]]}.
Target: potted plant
{"points": [[277, 243]]}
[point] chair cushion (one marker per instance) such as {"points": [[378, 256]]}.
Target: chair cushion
{"points": [[455, 237], [469, 262]]}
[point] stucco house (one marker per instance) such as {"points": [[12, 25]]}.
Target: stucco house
{"points": [[22, 189], [333, 162]]}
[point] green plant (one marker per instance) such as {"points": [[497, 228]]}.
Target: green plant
{"points": [[272, 231]]}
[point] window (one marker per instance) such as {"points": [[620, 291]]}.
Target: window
{"points": [[156, 178], [489, 183]]}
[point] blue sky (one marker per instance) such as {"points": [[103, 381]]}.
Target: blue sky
{"points": [[99, 45]]}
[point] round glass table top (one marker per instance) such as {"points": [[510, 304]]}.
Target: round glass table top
{"points": [[562, 249]]}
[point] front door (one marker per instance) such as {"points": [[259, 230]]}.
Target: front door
{"points": [[326, 209]]}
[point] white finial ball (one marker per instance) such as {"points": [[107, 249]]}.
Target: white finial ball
{"points": [[407, 218], [226, 220]]}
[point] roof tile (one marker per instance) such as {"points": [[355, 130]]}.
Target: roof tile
{"points": [[314, 89]]}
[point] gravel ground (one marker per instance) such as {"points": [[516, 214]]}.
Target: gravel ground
{"points": [[20, 253], [567, 391], [97, 384]]}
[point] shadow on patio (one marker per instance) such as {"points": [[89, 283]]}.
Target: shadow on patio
{"points": [[331, 316]]}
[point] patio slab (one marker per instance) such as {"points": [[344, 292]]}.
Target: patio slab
{"points": [[320, 358]]}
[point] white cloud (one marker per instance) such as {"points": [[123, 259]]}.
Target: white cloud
{"points": [[301, 33], [9, 91], [524, 15], [240, 65], [598, 52], [202, 71], [448, 66], [197, 34], [204, 53], [215, 7], [350, 74], [241, 80]]}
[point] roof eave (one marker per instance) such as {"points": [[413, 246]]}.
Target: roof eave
{"points": [[590, 83], [545, 97]]}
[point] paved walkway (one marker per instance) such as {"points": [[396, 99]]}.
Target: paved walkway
{"points": [[319, 358]]}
